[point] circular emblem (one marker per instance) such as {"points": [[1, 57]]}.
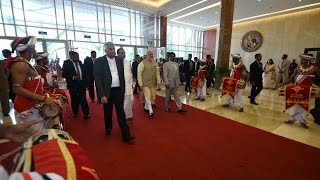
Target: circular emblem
{"points": [[251, 41]]}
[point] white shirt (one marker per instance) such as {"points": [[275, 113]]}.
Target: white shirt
{"points": [[114, 72], [75, 67]]}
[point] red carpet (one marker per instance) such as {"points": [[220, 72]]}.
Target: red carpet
{"points": [[195, 145]]}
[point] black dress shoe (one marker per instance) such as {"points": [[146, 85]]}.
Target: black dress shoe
{"points": [[249, 97], [168, 110], [129, 139], [75, 115], [108, 132], [151, 115], [153, 105], [145, 110], [86, 117], [92, 100], [181, 110], [6, 114], [253, 102]]}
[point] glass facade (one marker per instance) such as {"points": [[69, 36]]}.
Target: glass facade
{"points": [[183, 41], [87, 24]]}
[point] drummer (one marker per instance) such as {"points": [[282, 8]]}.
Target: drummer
{"points": [[239, 72], [43, 70], [26, 82], [304, 74]]}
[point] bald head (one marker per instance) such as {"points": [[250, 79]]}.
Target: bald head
{"points": [[109, 49]]}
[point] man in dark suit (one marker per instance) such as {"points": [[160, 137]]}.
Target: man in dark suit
{"points": [[76, 78], [134, 70], [110, 84], [88, 65], [189, 72], [256, 78]]}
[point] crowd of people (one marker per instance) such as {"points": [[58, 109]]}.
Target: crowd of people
{"points": [[113, 80]]}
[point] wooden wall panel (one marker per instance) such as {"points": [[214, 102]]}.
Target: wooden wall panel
{"points": [[209, 43]]}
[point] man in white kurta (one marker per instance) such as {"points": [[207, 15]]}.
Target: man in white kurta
{"points": [[149, 80], [128, 94]]}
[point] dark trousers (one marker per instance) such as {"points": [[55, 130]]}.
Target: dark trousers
{"points": [[116, 98], [78, 97], [316, 111], [187, 87], [4, 98], [210, 81], [136, 87], [91, 88], [255, 90]]}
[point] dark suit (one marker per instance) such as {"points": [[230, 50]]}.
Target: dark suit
{"points": [[189, 72], [88, 65], [77, 88], [115, 95], [255, 79], [134, 70]]}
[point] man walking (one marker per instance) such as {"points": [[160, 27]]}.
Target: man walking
{"points": [[110, 83], [88, 65], [189, 72], [172, 80], [256, 78]]}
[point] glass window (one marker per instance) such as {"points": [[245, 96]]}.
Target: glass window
{"points": [[18, 12], [10, 31], [70, 35], [84, 49], [85, 36], [68, 14], [21, 31], [102, 38], [40, 13], [62, 35], [57, 51], [1, 14], [1, 30], [147, 23], [120, 39], [175, 35], [133, 24], [42, 32], [107, 20], [60, 14], [101, 22], [7, 12], [120, 22], [138, 25], [85, 17]]}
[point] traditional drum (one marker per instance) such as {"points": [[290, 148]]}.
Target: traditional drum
{"points": [[241, 84], [55, 151], [314, 91]]}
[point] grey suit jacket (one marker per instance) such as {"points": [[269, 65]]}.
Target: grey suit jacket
{"points": [[103, 77], [171, 74]]}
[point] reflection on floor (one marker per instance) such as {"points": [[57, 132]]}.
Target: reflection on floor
{"points": [[267, 116]]}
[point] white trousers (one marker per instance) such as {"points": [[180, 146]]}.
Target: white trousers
{"points": [[150, 97], [298, 113], [237, 98], [127, 106], [202, 91]]}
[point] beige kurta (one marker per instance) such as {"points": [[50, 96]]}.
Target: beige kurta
{"points": [[149, 79], [128, 95]]}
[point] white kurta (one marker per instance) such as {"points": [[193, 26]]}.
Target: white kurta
{"points": [[128, 95]]}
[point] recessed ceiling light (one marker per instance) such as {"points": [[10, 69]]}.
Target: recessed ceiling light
{"points": [[200, 17], [216, 12], [300, 0]]}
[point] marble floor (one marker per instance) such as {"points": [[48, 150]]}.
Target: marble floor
{"points": [[267, 116]]}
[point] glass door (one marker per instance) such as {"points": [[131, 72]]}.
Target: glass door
{"points": [[129, 51], [57, 51]]}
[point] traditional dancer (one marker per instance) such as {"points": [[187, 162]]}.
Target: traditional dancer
{"points": [[202, 84], [304, 76], [239, 72]]}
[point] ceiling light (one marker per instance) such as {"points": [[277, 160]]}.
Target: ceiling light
{"points": [[187, 7], [200, 17], [188, 24], [216, 12], [198, 10], [300, 0]]}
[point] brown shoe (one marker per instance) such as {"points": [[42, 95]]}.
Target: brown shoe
{"points": [[226, 105], [241, 110], [304, 125], [288, 122]]}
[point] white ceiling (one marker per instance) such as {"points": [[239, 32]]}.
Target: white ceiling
{"points": [[243, 9], [206, 19]]}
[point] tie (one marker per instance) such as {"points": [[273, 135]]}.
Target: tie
{"points": [[78, 70]]}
